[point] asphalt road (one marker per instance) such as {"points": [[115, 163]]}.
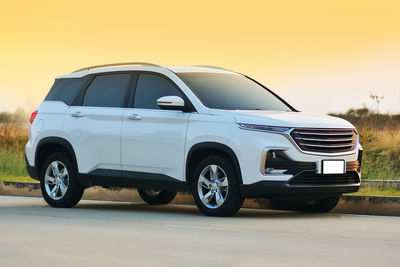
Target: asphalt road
{"points": [[110, 233]]}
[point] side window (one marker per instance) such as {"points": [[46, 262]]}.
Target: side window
{"points": [[151, 87], [107, 90], [65, 90]]}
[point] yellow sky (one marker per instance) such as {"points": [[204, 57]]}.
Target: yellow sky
{"points": [[321, 56]]}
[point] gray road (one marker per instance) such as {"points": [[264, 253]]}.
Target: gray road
{"points": [[110, 233]]}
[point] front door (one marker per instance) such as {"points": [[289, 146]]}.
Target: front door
{"points": [[153, 140]]}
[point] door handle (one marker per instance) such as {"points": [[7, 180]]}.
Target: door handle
{"points": [[77, 114], [134, 117]]}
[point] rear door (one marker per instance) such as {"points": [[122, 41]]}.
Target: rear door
{"points": [[93, 126], [153, 140]]}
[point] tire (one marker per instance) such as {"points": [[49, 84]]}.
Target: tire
{"points": [[156, 197], [321, 206], [216, 182], [69, 192], [315, 206]]}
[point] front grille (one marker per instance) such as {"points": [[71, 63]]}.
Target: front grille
{"points": [[309, 178], [325, 140]]}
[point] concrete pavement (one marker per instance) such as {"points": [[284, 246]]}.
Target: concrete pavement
{"points": [[99, 233]]}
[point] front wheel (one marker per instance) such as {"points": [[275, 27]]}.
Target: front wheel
{"points": [[215, 187], [58, 182]]}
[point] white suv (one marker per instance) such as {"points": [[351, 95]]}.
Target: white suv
{"points": [[207, 130]]}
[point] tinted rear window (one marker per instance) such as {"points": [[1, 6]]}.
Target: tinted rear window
{"points": [[107, 91], [65, 90]]}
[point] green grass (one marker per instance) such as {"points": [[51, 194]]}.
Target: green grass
{"points": [[379, 171], [12, 163], [381, 158], [17, 179], [369, 191], [380, 138], [12, 166]]}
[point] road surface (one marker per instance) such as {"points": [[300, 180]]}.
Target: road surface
{"points": [[99, 233]]}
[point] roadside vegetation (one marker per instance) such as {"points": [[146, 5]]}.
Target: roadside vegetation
{"points": [[13, 137], [380, 139]]}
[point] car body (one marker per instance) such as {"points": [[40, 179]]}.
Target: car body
{"points": [[116, 128]]}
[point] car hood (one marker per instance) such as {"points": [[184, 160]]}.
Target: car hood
{"points": [[289, 119]]}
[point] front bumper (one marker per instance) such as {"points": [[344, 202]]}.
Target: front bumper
{"points": [[305, 184]]}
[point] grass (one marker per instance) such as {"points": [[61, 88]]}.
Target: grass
{"points": [[369, 191], [17, 179], [381, 158], [13, 137], [380, 138], [12, 163]]}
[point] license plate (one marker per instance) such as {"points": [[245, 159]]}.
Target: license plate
{"points": [[333, 167]]}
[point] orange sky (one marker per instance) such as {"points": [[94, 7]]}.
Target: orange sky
{"points": [[320, 56]]}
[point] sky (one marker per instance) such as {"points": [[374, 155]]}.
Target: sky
{"points": [[320, 56]]}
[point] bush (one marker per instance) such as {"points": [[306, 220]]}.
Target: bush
{"points": [[380, 138], [13, 137]]}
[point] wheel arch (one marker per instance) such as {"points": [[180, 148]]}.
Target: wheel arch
{"points": [[50, 145], [200, 150]]}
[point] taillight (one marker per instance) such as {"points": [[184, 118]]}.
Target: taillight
{"points": [[33, 116]]}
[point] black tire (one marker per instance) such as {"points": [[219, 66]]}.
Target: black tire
{"points": [[73, 191], [321, 205], [315, 206], [154, 197], [233, 198]]}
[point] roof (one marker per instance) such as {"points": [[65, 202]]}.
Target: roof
{"points": [[135, 66]]}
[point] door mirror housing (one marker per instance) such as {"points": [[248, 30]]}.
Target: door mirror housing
{"points": [[171, 103]]}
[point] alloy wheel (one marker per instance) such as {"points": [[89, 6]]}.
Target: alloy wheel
{"points": [[212, 186], [56, 180]]}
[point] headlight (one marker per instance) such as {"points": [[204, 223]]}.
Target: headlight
{"points": [[264, 128]]}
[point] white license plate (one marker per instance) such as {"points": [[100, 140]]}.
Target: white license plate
{"points": [[333, 167]]}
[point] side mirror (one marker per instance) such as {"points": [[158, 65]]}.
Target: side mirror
{"points": [[171, 103]]}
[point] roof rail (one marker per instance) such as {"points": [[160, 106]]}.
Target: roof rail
{"points": [[118, 64], [212, 67]]}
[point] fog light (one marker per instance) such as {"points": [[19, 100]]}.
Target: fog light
{"points": [[275, 162]]}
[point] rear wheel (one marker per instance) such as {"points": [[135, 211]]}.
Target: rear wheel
{"points": [[58, 182], [215, 187], [321, 205], [156, 197]]}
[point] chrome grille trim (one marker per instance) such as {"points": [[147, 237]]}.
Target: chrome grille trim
{"points": [[325, 140], [321, 133], [327, 146]]}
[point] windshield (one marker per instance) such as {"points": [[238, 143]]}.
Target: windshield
{"points": [[231, 91]]}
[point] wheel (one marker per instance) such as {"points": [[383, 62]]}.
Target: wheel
{"points": [[319, 205], [156, 197], [215, 187], [58, 182]]}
